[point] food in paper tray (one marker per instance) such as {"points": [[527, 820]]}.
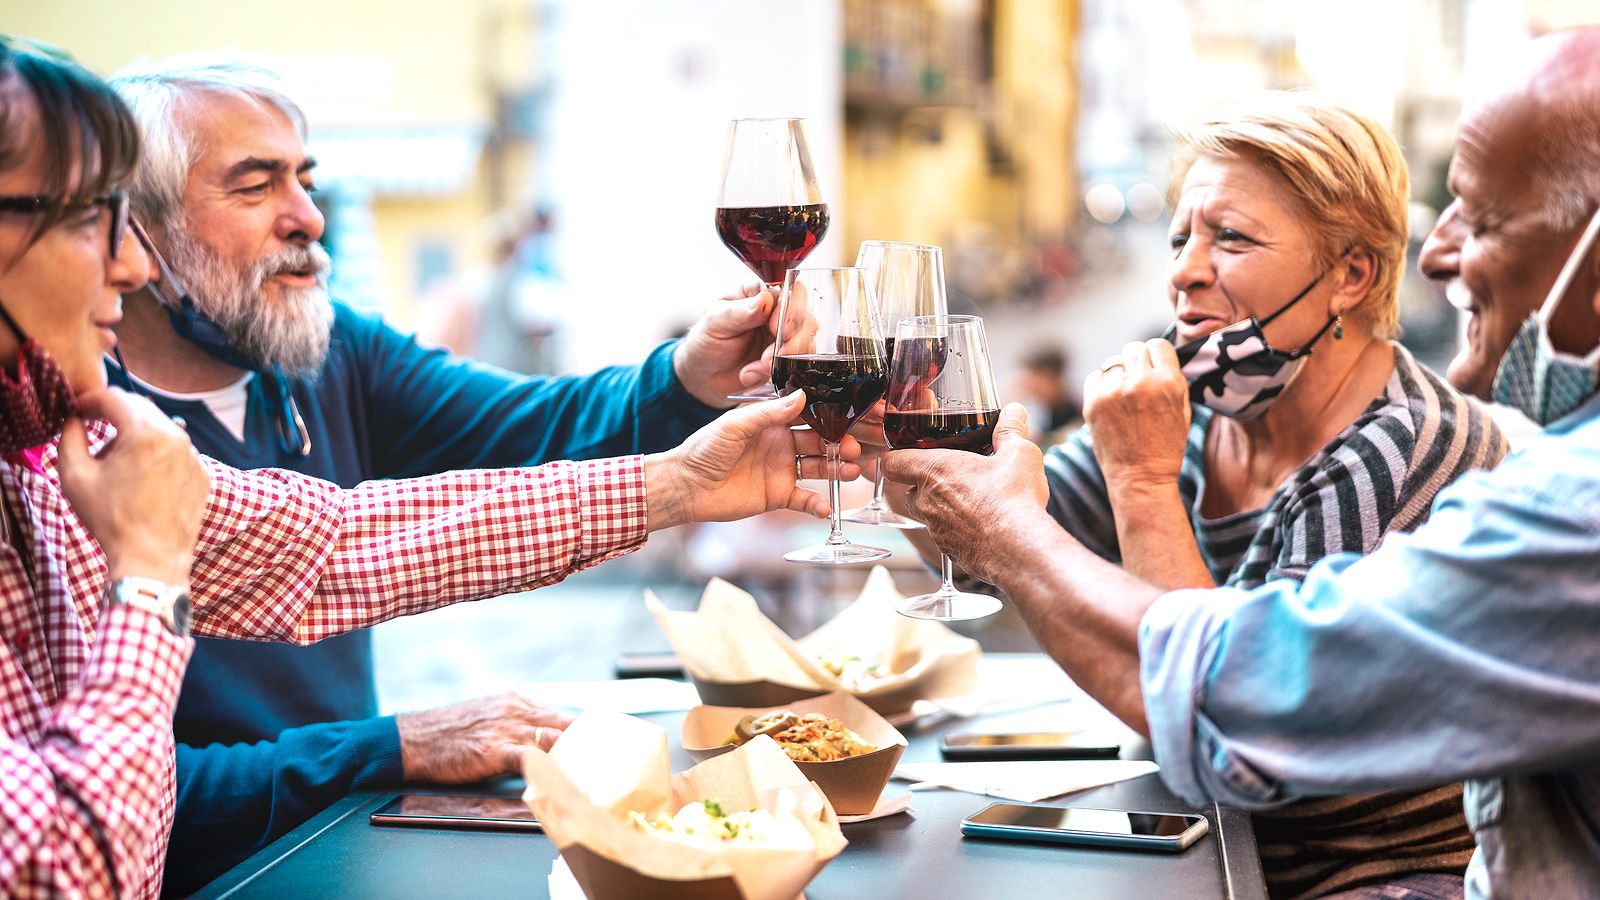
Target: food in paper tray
{"points": [[812, 737], [853, 672], [706, 822]]}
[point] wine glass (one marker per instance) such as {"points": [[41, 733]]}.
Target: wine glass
{"points": [[770, 212], [908, 280], [942, 396], [831, 346]]}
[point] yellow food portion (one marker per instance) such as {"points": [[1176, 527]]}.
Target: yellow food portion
{"points": [[851, 670], [705, 822]]}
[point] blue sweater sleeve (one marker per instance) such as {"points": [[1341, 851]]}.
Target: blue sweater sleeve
{"points": [[428, 411], [235, 799]]}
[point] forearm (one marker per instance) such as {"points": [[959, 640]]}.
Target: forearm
{"points": [[234, 799], [1155, 534], [88, 804], [291, 558], [1083, 610]]}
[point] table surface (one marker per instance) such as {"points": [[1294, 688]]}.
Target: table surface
{"points": [[339, 853]]}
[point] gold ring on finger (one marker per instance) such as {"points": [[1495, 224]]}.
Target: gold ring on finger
{"points": [[1114, 364]]}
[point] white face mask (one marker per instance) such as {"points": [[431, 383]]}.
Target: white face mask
{"points": [[1534, 377]]}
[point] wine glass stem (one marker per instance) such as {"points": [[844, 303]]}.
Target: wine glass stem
{"points": [[877, 490], [836, 535], [947, 591]]}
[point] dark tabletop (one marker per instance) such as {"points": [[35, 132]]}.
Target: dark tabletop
{"points": [[339, 853]]}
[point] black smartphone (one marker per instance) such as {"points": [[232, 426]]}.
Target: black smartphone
{"points": [[649, 665], [1162, 832], [444, 811], [1034, 745]]}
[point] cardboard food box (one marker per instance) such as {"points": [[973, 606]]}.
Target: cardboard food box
{"points": [[853, 785], [736, 656], [607, 765]]}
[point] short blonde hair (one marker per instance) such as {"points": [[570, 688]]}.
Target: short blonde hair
{"points": [[1345, 169]]}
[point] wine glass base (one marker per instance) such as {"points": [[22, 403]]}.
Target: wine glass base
{"points": [[952, 607], [883, 518], [836, 554], [755, 394]]}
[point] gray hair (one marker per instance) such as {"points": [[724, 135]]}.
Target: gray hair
{"points": [[1564, 164], [157, 91]]}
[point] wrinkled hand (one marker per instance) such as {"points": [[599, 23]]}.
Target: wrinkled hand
{"points": [[713, 357], [475, 739], [1139, 413], [740, 465], [143, 497], [974, 506]]}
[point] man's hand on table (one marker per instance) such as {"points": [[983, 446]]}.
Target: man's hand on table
{"points": [[978, 509], [475, 739]]}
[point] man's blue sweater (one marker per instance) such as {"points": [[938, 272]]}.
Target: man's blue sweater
{"points": [[269, 734]]}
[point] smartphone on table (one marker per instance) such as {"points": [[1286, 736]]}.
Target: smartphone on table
{"points": [[649, 665], [1033, 745], [447, 811], [1161, 832]]}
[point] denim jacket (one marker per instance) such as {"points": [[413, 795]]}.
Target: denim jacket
{"points": [[1467, 650]]}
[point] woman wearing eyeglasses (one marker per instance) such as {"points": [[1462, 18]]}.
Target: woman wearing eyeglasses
{"points": [[105, 536]]}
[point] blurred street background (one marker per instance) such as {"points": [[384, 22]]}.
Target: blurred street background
{"points": [[555, 163]]}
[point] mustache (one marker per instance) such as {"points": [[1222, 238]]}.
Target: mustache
{"points": [[310, 259]]}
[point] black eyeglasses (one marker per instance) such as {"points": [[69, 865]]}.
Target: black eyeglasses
{"points": [[115, 202]]}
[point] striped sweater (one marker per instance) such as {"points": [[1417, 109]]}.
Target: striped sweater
{"points": [[1380, 473]]}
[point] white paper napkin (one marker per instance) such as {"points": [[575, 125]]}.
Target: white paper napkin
{"points": [[886, 806], [1024, 782]]}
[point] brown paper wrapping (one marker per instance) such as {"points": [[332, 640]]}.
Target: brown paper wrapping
{"points": [[607, 764], [736, 656], [852, 785]]}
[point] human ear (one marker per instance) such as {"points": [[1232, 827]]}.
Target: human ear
{"points": [[1354, 273]]}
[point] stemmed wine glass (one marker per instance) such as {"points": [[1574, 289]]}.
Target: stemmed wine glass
{"points": [[770, 212], [942, 396], [830, 345], [907, 280]]}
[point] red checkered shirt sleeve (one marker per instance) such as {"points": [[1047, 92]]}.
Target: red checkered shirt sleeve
{"points": [[287, 557], [87, 808]]}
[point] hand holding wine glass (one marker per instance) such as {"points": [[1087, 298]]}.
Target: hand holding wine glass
{"points": [[829, 345], [942, 396], [770, 212]]}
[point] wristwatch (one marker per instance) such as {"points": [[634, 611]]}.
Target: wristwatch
{"points": [[168, 602]]}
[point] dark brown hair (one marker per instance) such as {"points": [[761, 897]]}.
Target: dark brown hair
{"points": [[90, 139]]}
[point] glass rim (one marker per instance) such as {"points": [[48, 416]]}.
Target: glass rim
{"points": [[909, 245], [959, 319]]}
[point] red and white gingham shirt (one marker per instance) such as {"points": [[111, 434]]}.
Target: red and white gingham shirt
{"points": [[86, 698]]}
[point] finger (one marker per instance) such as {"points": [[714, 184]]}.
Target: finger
{"points": [[1163, 356], [73, 449], [732, 318], [756, 372], [1135, 358], [808, 502], [744, 291], [818, 467], [748, 421], [911, 466], [1013, 426], [112, 404]]}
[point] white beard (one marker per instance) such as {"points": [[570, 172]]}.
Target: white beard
{"points": [[291, 333]]}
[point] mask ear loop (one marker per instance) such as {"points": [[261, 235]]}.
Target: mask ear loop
{"points": [[1332, 320], [1569, 271], [286, 415]]}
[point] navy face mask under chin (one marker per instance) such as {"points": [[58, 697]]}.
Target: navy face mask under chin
{"points": [[194, 326], [1235, 372]]}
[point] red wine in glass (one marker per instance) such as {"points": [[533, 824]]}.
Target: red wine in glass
{"points": [[942, 429], [770, 212], [772, 240], [839, 387]]}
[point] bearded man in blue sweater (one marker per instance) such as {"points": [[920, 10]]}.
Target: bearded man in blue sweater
{"points": [[240, 339]]}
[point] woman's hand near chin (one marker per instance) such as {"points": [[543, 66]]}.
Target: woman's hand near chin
{"points": [[1137, 408]]}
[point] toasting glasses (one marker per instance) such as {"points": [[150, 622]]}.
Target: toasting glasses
{"points": [[770, 212], [831, 346], [942, 396], [907, 280]]}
